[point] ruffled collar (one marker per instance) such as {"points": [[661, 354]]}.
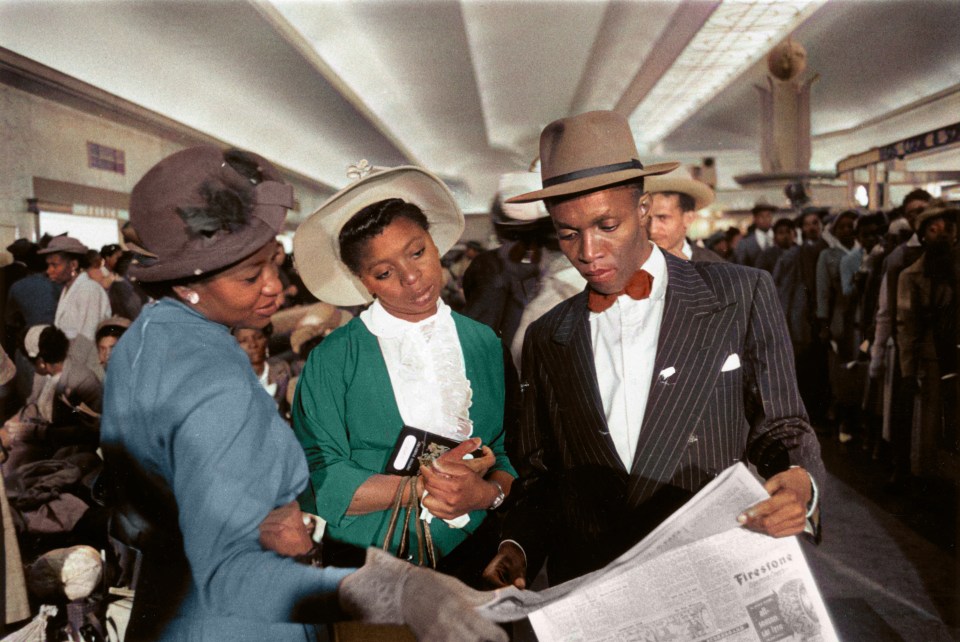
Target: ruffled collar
{"points": [[384, 325]]}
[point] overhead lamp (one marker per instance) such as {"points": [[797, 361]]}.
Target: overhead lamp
{"points": [[735, 36]]}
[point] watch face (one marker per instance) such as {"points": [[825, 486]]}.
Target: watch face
{"points": [[499, 498]]}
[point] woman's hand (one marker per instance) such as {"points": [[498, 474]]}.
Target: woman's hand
{"points": [[481, 465], [284, 532], [454, 486]]}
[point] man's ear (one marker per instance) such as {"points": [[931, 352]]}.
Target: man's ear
{"points": [[643, 207]]}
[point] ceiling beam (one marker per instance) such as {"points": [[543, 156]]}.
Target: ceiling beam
{"points": [[687, 20], [300, 44]]}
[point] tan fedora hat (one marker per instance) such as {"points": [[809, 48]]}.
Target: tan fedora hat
{"points": [[586, 152], [681, 182], [316, 244]]}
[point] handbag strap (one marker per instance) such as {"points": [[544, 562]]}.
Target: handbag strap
{"points": [[395, 514], [410, 509]]}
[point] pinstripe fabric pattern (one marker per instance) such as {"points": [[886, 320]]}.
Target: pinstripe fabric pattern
{"points": [[574, 491]]}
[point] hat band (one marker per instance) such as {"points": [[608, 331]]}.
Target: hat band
{"points": [[633, 163]]}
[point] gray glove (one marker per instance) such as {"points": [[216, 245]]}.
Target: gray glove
{"points": [[438, 607]]}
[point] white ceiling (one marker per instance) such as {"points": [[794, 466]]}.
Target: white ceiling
{"points": [[463, 87]]}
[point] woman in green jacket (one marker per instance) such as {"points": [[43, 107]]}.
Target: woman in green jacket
{"points": [[407, 360]]}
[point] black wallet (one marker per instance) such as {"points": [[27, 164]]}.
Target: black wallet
{"points": [[415, 445]]}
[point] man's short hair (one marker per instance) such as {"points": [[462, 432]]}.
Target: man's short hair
{"points": [[918, 195], [877, 218], [785, 222], [53, 345], [687, 203]]}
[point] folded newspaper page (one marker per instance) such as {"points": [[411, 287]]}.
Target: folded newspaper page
{"points": [[699, 576]]}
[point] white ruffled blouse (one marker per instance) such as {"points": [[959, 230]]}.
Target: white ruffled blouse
{"points": [[425, 363]]}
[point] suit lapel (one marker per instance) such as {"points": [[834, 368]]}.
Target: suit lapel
{"points": [[694, 325], [576, 367]]}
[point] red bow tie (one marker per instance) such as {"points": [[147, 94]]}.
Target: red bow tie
{"points": [[639, 287]]}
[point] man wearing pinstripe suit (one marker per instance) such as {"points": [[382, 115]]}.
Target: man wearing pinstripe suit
{"points": [[631, 406]]}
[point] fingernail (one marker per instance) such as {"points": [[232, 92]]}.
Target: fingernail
{"points": [[742, 518]]}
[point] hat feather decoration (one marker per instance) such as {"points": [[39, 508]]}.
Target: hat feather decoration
{"points": [[227, 210]]}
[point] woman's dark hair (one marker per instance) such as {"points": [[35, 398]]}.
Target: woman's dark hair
{"points": [[226, 209], [123, 263], [109, 331], [370, 222], [52, 345]]}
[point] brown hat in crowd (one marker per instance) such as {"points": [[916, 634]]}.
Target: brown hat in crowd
{"points": [[587, 152], [66, 245], [681, 182], [936, 209], [318, 323], [167, 247]]}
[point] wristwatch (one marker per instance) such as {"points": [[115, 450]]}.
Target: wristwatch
{"points": [[499, 498]]}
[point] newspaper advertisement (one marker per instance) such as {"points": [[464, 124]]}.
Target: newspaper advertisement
{"points": [[711, 511], [699, 576]]}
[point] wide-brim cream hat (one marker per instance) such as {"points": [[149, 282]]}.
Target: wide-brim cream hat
{"points": [[588, 152], [681, 182], [316, 244]]}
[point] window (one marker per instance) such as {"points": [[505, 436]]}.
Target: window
{"points": [[107, 158]]}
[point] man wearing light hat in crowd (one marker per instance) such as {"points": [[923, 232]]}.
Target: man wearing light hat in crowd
{"points": [[83, 302], [641, 388], [674, 201]]}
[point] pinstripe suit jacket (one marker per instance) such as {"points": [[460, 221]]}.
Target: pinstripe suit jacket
{"points": [[575, 500]]}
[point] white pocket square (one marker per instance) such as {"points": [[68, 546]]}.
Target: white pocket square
{"points": [[666, 373], [732, 363]]}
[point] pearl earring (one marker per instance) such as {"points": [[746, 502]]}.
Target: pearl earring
{"points": [[193, 298]]}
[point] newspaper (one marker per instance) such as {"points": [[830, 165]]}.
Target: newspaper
{"points": [[699, 576]]}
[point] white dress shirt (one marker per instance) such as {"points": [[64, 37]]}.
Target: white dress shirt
{"points": [[82, 307], [764, 239], [624, 341]]}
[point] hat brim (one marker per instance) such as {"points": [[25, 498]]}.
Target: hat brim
{"points": [[594, 182], [316, 245], [701, 193]]}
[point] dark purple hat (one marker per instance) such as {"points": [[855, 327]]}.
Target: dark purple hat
{"points": [[167, 247]]}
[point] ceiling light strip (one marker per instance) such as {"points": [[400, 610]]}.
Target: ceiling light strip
{"points": [[735, 36]]}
